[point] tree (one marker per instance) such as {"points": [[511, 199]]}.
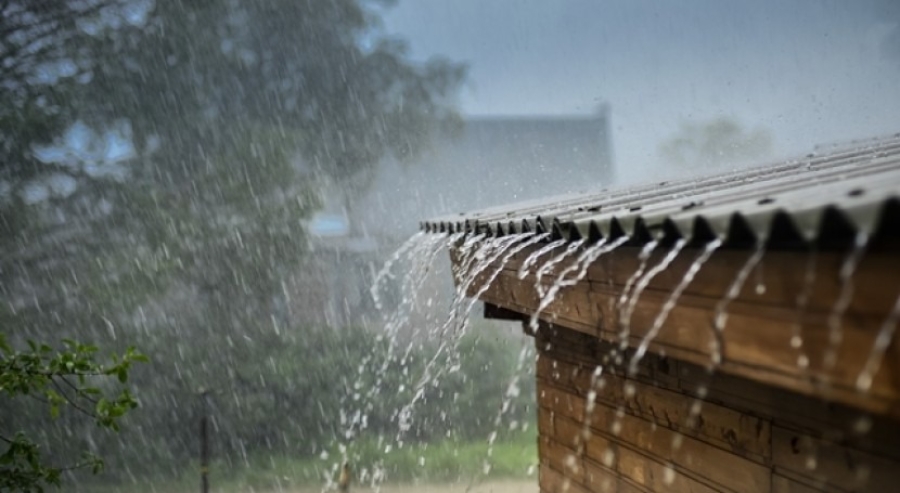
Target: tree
{"points": [[36, 78], [72, 379], [718, 142], [233, 110]]}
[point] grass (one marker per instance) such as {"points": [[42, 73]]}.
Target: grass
{"points": [[443, 462]]}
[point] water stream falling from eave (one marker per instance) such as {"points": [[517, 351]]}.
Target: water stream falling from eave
{"points": [[580, 267], [480, 259], [671, 301], [720, 316], [642, 284], [475, 267], [844, 298], [882, 342], [622, 301]]}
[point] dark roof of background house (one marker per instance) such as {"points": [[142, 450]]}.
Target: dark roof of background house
{"points": [[823, 199]]}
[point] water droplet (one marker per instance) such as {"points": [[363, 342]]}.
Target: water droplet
{"points": [[608, 457], [812, 463], [668, 475], [702, 391], [863, 425]]}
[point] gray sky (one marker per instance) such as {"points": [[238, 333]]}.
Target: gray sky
{"points": [[811, 72]]}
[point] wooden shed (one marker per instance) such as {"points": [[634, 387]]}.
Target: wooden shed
{"points": [[733, 333]]}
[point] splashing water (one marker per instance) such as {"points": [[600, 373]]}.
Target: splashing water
{"points": [[385, 272], [505, 260], [882, 342], [469, 251], [580, 266], [667, 307], [410, 265], [482, 258], [488, 254], [835, 318], [417, 255], [720, 318]]}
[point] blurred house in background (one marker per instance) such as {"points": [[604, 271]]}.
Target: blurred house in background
{"points": [[491, 161]]}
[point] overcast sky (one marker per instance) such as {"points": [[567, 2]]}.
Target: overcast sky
{"points": [[809, 71]]}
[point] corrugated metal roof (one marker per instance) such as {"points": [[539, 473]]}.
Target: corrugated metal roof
{"points": [[824, 200]]}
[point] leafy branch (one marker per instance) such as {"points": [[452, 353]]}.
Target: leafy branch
{"points": [[66, 378]]}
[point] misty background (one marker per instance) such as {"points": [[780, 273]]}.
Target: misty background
{"points": [[809, 73]]}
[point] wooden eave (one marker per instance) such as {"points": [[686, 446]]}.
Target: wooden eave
{"points": [[760, 325]]}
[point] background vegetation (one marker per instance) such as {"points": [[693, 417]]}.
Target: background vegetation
{"points": [[158, 160]]}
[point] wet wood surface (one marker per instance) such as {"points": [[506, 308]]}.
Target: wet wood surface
{"points": [[788, 297], [650, 432]]}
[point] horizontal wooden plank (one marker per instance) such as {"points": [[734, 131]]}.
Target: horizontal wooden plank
{"points": [[742, 434], [718, 466], [561, 458], [658, 477], [797, 412], [757, 343], [560, 402], [782, 484], [836, 465], [601, 479], [553, 481]]}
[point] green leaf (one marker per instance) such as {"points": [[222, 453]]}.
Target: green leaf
{"points": [[4, 345]]}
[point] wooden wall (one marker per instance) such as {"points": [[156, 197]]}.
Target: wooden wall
{"points": [[761, 322], [651, 433]]}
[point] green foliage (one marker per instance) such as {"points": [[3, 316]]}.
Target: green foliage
{"points": [[440, 461], [70, 378]]}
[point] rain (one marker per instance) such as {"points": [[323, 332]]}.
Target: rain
{"points": [[430, 246]]}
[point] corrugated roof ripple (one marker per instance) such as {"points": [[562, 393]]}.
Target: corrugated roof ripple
{"points": [[827, 199]]}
